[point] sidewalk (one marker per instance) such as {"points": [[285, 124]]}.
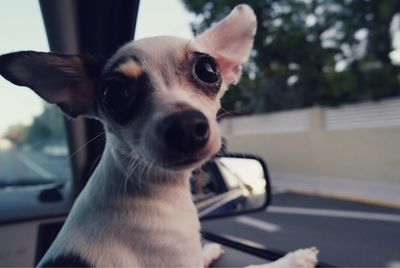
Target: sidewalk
{"points": [[374, 192]]}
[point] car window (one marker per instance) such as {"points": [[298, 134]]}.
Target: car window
{"points": [[33, 145]]}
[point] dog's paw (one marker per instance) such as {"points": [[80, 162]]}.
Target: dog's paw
{"points": [[301, 258], [211, 252]]}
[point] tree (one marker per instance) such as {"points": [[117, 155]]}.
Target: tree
{"points": [[17, 134], [311, 52], [47, 127]]}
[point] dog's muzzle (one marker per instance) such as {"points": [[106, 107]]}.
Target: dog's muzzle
{"points": [[184, 132]]}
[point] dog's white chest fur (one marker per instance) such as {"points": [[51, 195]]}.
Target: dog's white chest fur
{"points": [[130, 231]]}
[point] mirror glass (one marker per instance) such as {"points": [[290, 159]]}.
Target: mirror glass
{"points": [[227, 185]]}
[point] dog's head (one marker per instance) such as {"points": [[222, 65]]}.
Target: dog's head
{"points": [[157, 97]]}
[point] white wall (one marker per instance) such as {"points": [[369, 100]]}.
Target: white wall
{"points": [[360, 141]]}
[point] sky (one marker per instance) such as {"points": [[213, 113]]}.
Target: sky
{"points": [[163, 17], [22, 28]]}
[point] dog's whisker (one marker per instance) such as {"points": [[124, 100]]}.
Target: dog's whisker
{"points": [[142, 167], [126, 175], [207, 176], [225, 113], [136, 162], [149, 169], [140, 179], [188, 44], [83, 146], [131, 168], [120, 165], [138, 165], [129, 178], [142, 172]]}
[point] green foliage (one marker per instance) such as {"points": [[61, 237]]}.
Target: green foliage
{"points": [[299, 47], [48, 127], [16, 134]]}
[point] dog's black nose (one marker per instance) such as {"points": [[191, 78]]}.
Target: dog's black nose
{"points": [[185, 132]]}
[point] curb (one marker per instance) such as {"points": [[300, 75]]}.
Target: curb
{"points": [[363, 200]]}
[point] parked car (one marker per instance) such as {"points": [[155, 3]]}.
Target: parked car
{"points": [[55, 150]]}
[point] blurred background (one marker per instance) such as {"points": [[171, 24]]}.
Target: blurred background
{"points": [[318, 100]]}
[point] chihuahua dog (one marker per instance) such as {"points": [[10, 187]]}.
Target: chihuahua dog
{"points": [[158, 99]]}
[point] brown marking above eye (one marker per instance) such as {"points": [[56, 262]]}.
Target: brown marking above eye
{"points": [[130, 69], [124, 97], [184, 53]]}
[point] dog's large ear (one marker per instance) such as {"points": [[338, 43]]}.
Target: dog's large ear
{"points": [[66, 80], [230, 41]]}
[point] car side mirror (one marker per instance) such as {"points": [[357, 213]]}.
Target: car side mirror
{"points": [[231, 184]]}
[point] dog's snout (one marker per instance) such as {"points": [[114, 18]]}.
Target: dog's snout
{"points": [[185, 132]]}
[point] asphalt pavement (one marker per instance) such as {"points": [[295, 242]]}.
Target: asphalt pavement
{"points": [[17, 166], [346, 233], [386, 193], [353, 232]]}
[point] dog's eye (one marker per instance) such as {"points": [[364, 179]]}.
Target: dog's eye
{"points": [[206, 69], [115, 95]]}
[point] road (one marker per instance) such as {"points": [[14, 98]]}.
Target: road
{"points": [[26, 167], [346, 233]]}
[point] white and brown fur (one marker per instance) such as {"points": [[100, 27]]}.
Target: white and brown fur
{"points": [[137, 209]]}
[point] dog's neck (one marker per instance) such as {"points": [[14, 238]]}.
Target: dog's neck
{"points": [[131, 214], [120, 176]]}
